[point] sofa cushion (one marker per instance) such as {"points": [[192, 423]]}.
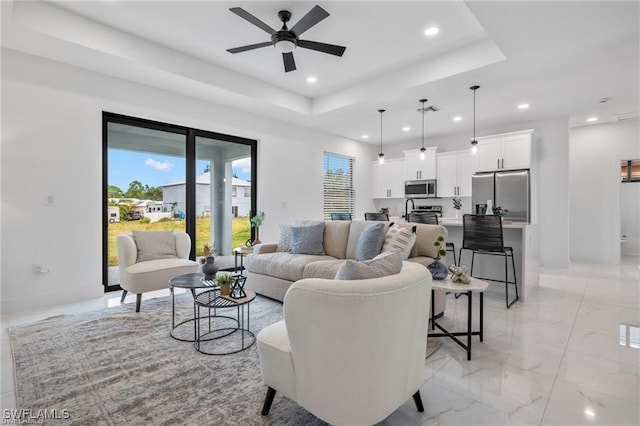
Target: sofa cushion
{"points": [[286, 266], [307, 238], [336, 235], [370, 241], [356, 228], [322, 269], [401, 239], [284, 238], [427, 235], [388, 263], [153, 245]]}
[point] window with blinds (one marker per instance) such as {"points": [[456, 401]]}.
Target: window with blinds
{"points": [[337, 172]]}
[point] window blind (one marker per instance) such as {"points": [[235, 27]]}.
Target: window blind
{"points": [[337, 185]]}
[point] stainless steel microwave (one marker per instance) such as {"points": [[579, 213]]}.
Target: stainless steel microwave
{"points": [[425, 188]]}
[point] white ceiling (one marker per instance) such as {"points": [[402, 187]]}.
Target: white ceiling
{"points": [[560, 57]]}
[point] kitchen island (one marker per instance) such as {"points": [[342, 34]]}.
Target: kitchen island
{"points": [[522, 236]]}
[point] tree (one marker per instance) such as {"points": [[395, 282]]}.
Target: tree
{"points": [[154, 193], [136, 190], [114, 192]]}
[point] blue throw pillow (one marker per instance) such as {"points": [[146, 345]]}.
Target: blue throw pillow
{"points": [[370, 241], [307, 239]]}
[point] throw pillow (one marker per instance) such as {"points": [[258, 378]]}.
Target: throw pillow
{"points": [[370, 242], [384, 264], [401, 239], [153, 245], [307, 239], [284, 238]]}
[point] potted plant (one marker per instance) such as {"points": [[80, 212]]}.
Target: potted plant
{"points": [[223, 280], [499, 211], [438, 269], [457, 205], [256, 222]]}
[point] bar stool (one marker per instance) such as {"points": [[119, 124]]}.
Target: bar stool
{"points": [[377, 216], [482, 234], [432, 219]]}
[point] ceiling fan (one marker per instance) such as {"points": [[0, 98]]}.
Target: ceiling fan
{"points": [[286, 40]]}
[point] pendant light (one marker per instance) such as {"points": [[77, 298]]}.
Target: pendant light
{"points": [[474, 142], [381, 155], [423, 112]]}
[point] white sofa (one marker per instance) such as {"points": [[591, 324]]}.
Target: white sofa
{"points": [[338, 366], [140, 277], [271, 272]]}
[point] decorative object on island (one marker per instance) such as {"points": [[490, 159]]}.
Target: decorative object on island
{"points": [[256, 221], [381, 155], [237, 287], [499, 211], [438, 269], [459, 274], [384, 210], [457, 205], [209, 267], [474, 142], [223, 280]]}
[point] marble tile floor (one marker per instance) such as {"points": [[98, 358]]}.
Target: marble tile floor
{"points": [[570, 355]]}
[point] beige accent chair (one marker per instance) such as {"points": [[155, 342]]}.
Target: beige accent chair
{"points": [[349, 352], [149, 275]]}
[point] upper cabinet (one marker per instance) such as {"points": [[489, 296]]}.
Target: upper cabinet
{"points": [[416, 168], [454, 173], [508, 151], [388, 179]]}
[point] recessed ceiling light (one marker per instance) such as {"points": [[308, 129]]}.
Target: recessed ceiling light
{"points": [[431, 31], [592, 119], [458, 118], [406, 128], [365, 136], [523, 106], [311, 80]]}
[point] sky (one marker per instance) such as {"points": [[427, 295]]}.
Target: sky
{"points": [[158, 170]]}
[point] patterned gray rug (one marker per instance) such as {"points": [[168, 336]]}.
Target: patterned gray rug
{"points": [[114, 366]]}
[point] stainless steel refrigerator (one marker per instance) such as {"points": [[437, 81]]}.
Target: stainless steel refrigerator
{"points": [[509, 190]]}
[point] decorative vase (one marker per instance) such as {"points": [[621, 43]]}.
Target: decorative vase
{"points": [[210, 268], [438, 270], [225, 289], [457, 214], [256, 240]]}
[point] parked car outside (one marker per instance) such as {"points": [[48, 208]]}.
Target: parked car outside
{"points": [[134, 215]]}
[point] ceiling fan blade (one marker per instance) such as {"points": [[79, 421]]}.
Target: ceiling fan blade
{"points": [[312, 17], [255, 21], [289, 63], [331, 49], [249, 47]]}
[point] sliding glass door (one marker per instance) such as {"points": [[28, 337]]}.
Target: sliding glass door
{"points": [[158, 176]]}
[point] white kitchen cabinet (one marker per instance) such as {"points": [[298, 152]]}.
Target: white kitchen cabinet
{"points": [[508, 151], [454, 171], [388, 179], [417, 169]]}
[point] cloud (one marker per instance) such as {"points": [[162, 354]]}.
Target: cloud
{"points": [[244, 165], [163, 166]]}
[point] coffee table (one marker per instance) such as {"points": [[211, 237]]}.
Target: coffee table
{"points": [[191, 282], [220, 338], [447, 285]]}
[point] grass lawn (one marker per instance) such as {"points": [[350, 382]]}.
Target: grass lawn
{"points": [[241, 232]]}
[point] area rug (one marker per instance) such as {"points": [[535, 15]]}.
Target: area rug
{"points": [[114, 366]]}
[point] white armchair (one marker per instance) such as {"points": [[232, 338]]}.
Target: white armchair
{"points": [[349, 352], [139, 277]]}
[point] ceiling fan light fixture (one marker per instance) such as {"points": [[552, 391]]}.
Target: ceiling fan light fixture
{"points": [[285, 45]]}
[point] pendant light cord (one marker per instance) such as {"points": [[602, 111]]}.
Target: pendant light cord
{"points": [[474, 114], [423, 112], [381, 111]]}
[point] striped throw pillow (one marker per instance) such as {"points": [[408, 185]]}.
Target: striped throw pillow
{"points": [[400, 239]]}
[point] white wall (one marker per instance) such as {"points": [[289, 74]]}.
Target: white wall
{"points": [[52, 145], [549, 186], [596, 152], [630, 218]]}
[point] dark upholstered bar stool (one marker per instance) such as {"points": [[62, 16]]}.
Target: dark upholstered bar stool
{"points": [[432, 218], [340, 216], [482, 234], [376, 216]]}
